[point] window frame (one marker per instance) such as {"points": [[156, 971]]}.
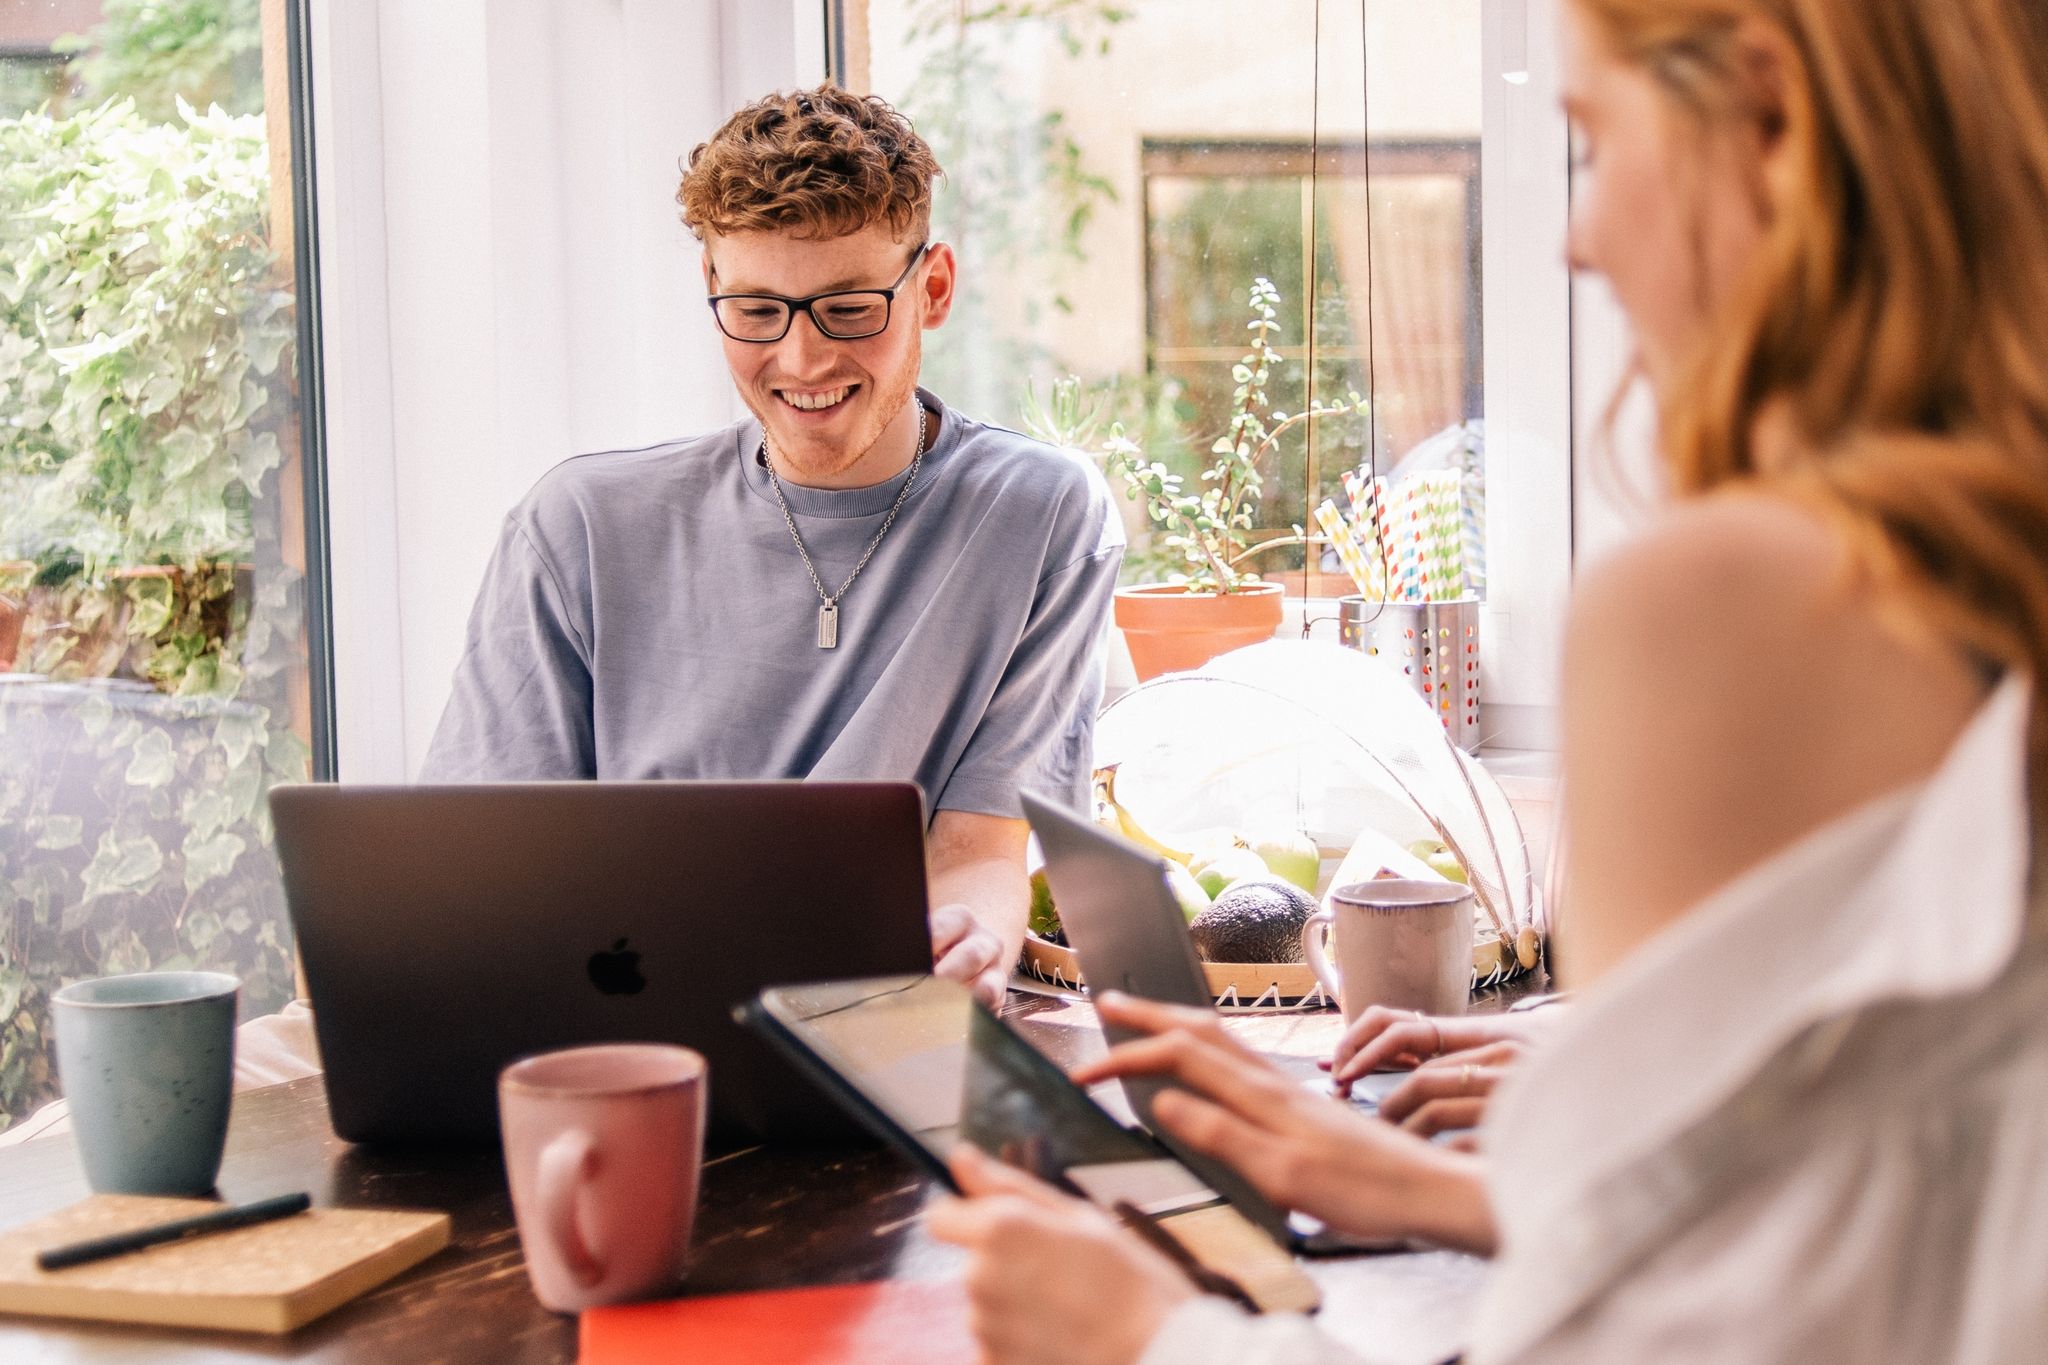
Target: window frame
{"points": [[1246, 158], [484, 174], [1528, 346]]}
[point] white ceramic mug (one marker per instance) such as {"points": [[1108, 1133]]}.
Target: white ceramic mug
{"points": [[1399, 943]]}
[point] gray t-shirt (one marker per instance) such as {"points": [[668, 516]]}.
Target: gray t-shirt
{"points": [[646, 615]]}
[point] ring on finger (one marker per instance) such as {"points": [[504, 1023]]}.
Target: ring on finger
{"points": [[1437, 1049]]}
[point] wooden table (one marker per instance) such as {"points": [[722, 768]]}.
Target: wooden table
{"points": [[770, 1217]]}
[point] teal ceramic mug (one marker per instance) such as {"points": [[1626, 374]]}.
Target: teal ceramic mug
{"points": [[147, 1063]]}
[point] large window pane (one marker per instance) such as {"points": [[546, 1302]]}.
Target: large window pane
{"points": [[152, 545], [1120, 174]]}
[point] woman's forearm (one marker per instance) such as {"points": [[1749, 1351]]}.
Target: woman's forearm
{"points": [[1447, 1204]]}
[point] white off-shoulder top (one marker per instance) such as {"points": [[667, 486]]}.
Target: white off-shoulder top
{"points": [[1807, 1122]]}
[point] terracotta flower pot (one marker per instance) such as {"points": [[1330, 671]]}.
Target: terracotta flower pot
{"points": [[12, 610], [1170, 629]]}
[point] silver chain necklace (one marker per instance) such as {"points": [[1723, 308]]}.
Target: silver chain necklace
{"points": [[828, 608]]}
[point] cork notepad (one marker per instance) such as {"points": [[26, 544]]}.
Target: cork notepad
{"points": [[271, 1277]]}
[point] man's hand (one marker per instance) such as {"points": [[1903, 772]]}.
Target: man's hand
{"points": [[980, 897], [964, 950]]}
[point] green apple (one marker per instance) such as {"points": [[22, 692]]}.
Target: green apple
{"points": [[1219, 870], [1291, 857], [1193, 899], [1441, 860]]}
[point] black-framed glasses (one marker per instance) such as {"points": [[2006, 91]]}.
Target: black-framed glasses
{"points": [[843, 315]]}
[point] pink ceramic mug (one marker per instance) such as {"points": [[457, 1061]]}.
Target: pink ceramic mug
{"points": [[602, 1147]]}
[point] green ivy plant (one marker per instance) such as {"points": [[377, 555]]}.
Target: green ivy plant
{"points": [[145, 371], [143, 340], [158, 52], [1210, 529]]}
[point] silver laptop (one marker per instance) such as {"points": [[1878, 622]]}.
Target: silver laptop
{"points": [[1127, 927], [446, 930]]}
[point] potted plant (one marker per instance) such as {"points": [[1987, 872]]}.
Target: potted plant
{"points": [[1211, 605]]}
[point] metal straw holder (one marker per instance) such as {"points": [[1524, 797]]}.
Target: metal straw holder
{"points": [[1434, 645]]}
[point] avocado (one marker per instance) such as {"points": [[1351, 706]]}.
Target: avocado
{"points": [[1254, 921]]}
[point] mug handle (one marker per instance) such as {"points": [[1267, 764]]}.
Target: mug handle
{"points": [[565, 1164], [1315, 934]]}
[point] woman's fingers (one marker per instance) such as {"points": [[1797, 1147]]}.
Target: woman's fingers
{"points": [[1395, 1046], [1269, 1161], [979, 1174], [1465, 1081], [1500, 1055], [1151, 1016], [1443, 1116], [1383, 1039], [1213, 1065], [970, 1223]]}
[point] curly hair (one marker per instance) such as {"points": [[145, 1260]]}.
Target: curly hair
{"points": [[822, 163]]}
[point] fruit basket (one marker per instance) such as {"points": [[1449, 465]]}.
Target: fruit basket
{"points": [[1236, 985], [1333, 745]]}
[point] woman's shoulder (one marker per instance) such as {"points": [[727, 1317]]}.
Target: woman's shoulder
{"points": [[1751, 587], [1732, 684]]}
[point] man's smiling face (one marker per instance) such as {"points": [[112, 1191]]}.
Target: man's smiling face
{"points": [[836, 412]]}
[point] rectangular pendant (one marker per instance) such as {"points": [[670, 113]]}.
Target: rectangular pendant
{"points": [[828, 626]]}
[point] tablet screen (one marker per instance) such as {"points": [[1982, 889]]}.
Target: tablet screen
{"points": [[944, 1070]]}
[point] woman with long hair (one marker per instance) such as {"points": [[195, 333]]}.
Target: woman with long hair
{"points": [[1796, 1111]]}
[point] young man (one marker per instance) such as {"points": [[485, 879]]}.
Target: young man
{"points": [[859, 583]]}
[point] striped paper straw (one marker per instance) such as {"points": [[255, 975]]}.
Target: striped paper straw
{"points": [[1407, 566], [1369, 522], [1349, 555], [1443, 536], [1472, 497]]}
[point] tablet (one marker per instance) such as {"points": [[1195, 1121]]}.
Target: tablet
{"points": [[926, 1067], [1128, 929]]}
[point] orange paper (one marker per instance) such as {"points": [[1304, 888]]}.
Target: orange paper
{"points": [[889, 1322]]}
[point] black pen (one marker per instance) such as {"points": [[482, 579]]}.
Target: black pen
{"points": [[1207, 1280], [220, 1220]]}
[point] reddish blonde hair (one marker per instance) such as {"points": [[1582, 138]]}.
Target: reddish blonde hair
{"points": [[1897, 313], [815, 163]]}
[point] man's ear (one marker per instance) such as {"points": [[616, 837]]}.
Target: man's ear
{"points": [[940, 274], [710, 275]]}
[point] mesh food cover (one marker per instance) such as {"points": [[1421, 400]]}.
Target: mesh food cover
{"points": [[1297, 733]]}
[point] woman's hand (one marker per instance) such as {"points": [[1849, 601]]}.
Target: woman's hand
{"points": [[1305, 1151], [1452, 1091], [1381, 1039], [1052, 1280]]}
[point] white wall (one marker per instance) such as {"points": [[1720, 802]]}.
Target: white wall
{"points": [[1617, 480], [1528, 375], [505, 283]]}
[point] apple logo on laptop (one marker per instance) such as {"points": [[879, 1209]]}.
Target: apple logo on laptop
{"points": [[616, 971]]}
